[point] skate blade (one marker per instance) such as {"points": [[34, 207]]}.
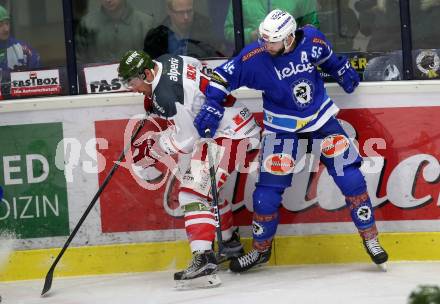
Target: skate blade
{"points": [[227, 257], [209, 281], [383, 267], [253, 268]]}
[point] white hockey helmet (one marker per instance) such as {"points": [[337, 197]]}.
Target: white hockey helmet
{"points": [[277, 26]]}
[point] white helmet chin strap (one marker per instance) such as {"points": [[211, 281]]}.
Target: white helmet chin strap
{"points": [[154, 76], [287, 46]]}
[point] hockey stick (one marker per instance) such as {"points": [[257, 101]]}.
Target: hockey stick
{"points": [[218, 224], [49, 276]]}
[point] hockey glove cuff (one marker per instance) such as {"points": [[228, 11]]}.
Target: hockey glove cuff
{"points": [[147, 150], [209, 117], [345, 75]]}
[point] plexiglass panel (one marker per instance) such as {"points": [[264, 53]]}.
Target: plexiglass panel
{"points": [[32, 56]]}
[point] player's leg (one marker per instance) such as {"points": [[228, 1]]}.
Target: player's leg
{"points": [[200, 223], [342, 160], [200, 229], [276, 167]]}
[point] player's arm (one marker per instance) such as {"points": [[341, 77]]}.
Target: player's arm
{"points": [[338, 67], [158, 144], [146, 149], [225, 78]]}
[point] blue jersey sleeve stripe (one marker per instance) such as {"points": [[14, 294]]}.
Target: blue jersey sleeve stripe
{"points": [[219, 87], [324, 59], [219, 73]]}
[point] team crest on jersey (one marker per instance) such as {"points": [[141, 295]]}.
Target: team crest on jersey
{"points": [[302, 91]]}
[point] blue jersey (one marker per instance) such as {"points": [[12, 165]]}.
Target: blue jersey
{"points": [[294, 97]]}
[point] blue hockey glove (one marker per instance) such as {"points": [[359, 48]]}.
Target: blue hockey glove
{"points": [[346, 76], [209, 117]]}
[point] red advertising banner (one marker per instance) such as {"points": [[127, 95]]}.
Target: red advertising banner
{"points": [[125, 206], [401, 150]]}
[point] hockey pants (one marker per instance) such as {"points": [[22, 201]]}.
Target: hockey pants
{"points": [[277, 162]]}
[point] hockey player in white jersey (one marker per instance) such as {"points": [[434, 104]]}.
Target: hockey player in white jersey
{"points": [[174, 89]]}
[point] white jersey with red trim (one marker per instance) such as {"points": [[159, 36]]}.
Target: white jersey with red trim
{"points": [[178, 94]]}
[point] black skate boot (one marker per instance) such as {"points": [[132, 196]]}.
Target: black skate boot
{"points": [[249, 260], [232, 248], [202, 272], [377, 254]]}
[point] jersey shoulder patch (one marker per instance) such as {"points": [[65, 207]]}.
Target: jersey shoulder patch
{"points": [[319, 41], [251, 51]]}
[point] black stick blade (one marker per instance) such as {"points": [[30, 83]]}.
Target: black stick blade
{"points": [[48, 281]]}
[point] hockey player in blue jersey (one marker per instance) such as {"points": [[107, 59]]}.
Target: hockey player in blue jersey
{"points": [[283, 64]]}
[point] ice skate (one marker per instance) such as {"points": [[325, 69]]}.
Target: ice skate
{"points": [[251, 259], [201, 273], [377, 254], [232, 248]]}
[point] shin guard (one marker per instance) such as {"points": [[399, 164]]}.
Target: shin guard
{"points": [[200, 226], [362, 214]]}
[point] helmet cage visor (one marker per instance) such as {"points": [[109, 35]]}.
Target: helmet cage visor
{"points": [[128, 82]]}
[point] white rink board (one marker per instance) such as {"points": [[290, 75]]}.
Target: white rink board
{"points": [[78, 114]]}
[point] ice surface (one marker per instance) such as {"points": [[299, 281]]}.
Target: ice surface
{"points": [[6, 247], [347, 283]]}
